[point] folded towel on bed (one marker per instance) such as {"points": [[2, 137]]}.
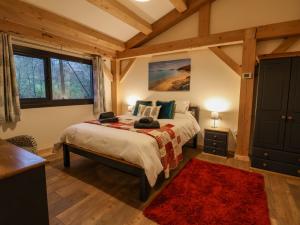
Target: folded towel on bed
{"points": [[153, 125], [106, 115], [146, 119], [109, 120]]}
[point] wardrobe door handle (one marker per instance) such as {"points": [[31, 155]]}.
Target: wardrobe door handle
{"points": [[283, 117], [290, 118]]}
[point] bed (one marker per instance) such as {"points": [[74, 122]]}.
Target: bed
{"points": [[128, 151]]}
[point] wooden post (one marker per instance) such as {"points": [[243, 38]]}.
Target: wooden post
{"points": [[115, 90], [246, 95]]}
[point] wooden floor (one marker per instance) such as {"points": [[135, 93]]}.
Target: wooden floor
{"points": [[91, 194]]}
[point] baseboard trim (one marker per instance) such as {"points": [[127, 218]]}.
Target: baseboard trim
{"points": [[242, 157], [45, 152]]}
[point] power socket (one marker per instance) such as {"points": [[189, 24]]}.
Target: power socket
{"points": [[247, 76]]}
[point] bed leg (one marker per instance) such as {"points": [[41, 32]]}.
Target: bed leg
{"points": [[66, 156], [195, 140], [144, 187]]}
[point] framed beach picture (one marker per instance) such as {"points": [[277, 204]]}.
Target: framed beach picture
{"points": [[173, 75]]}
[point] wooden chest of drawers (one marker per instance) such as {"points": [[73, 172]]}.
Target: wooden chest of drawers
{"points": [[277, 161], [216, 141], [23, 195]]}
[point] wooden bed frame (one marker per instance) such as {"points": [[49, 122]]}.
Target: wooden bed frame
{"points": [[120, 164]]}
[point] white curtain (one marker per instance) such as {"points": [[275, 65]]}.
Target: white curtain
{"points": [[9, 94], [99, 92]]}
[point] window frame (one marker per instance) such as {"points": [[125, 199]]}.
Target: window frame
{"points": [[48, 101]]}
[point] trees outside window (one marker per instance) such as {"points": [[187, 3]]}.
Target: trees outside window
{"points": [[50, 79]]}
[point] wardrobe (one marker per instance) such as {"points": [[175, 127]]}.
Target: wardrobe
{"points": [[276, 137]]}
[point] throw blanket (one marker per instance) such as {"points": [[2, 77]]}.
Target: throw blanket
{"points": [[168, 140]]}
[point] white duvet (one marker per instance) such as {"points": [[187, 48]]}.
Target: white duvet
{"points": [[136, 148]]}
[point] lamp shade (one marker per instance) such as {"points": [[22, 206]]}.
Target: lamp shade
{"points": [[215, 115]]}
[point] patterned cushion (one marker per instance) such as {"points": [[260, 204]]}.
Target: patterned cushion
{"points": [[149, 111], [24, 141], [141, 110], [136, 108]]}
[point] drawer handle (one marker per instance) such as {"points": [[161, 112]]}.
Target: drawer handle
{"points": [[265, 164], [298, 171], [266, 154], [214, 143], [214, 150], [215, 136]]}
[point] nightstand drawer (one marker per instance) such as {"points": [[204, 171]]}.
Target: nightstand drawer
{"points": [[215, 141], [214, 150], [216, 136], [217, 144]]}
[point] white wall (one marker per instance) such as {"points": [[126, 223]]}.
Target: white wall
{"points": [[210, 77]]}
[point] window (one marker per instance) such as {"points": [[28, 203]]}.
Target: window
{"points": [[50, 79], [70, 80], [30, 76]]}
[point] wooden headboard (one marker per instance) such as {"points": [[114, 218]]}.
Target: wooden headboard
{"points": [[195, 111]]}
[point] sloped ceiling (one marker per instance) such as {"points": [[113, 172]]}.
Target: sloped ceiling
{"points": [[89, 15]]}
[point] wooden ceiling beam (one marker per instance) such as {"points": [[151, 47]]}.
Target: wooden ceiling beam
{"points": [[278, 30], [31, 16], [51, 40], [180, 5], [127, 68], [186, 44], [286, 44], [279, 55], [164, 23], [121, 12], [204, 19], [227, 60], [285, 29]]}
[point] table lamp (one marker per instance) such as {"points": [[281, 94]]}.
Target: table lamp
{"points": [[214, 116]]}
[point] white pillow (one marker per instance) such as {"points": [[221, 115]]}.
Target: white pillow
{"points": [[149, 111], [182, 106]]}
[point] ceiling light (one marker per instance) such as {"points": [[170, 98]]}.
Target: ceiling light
{"points": [[142, 0]]}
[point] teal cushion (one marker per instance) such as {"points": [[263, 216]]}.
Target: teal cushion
{"points": [[136, 108], [167, 109]]}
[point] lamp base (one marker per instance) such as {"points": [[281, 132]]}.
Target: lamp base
{"points": [[214, 124]]}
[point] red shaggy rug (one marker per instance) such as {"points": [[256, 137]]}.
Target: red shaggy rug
{"points": [[208, 194]]}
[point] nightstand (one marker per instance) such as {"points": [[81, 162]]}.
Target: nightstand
{"points": [[216, 141]]}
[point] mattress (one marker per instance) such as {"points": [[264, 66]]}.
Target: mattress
{"points": [[133, 147]]}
